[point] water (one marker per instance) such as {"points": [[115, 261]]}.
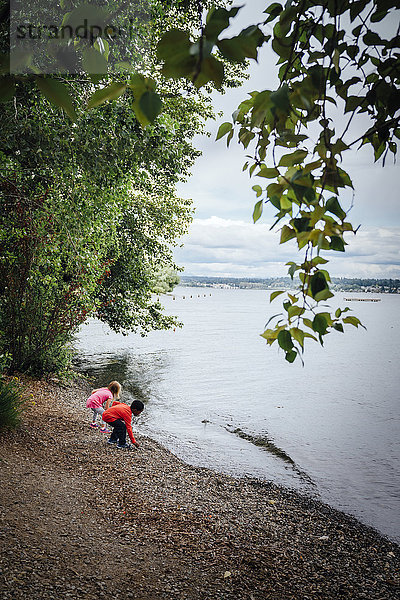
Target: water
{"points": [[217, 396]]}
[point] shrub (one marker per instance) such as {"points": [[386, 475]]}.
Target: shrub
{"points": [[11, 404]]}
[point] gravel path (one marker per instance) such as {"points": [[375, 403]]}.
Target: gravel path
{"points": [[81, 519]]}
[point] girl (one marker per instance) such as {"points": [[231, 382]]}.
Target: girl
{"points": [[97, 399]]}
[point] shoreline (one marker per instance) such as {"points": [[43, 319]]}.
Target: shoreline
{"points": [[82, 519]]}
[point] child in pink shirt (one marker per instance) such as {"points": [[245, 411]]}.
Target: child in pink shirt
{"points": [[99, 398]]}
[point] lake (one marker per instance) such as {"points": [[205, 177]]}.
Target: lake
{"points": [[217, 396]]}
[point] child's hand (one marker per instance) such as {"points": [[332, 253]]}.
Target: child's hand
{"points": [[137, 444]]}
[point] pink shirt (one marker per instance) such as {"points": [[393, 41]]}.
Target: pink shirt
{"points": [[97, 399]]}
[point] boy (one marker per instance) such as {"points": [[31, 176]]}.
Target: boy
{"points": [[119, 416]]}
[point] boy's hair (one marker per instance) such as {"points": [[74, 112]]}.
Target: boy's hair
{"points": [[115, 388], [138, 405]]}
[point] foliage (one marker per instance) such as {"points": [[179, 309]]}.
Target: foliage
{"points": [[334, 68], [88, 209], [164, 280], [117, 58], [84, 224], [11, 404]]}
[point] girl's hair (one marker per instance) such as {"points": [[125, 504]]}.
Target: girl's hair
{"points": [[115, 388]]}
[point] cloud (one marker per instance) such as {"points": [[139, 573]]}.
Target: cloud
{"points": [[228, 243], [236, 248]]}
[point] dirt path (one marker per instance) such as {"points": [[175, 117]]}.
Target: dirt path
{"points": [[80, 519]]}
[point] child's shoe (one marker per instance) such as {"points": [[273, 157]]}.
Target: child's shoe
{"points": [[104, 430], [93, 425], [110, 441], [123, 446]]}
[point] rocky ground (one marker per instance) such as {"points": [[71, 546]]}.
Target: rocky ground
{"points": [[81, 519]]}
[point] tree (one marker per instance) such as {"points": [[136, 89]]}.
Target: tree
{"points": [[89, 211], [165, 280], [87, 214], [336, 70]]}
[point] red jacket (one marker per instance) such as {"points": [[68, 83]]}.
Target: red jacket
{"points": [[119, 410]]}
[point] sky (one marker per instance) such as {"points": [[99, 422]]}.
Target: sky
{"points": [[224, 242]]}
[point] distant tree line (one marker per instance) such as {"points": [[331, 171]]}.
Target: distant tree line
{"points": [[338, 283]]}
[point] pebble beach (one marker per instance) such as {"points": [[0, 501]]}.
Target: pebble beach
{"points": [[82, 519]]}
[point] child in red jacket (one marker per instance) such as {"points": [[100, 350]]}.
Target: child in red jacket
{"points": [[119, 416]]}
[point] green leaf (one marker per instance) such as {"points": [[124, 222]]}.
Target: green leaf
{"points": [[307, 322], [318, 260], [311, 166], [268, 173], [280, 99], [372, 39], [379, 14], [110, 92], [302, 224], [323, 295], [345, 179], [298, 335], [282, 47], [174, 49], [285, 340], [295, 311], [320, 324], [273, 10], [218, 20], [174, 45], [291, 356], [245, 45], [270, 335], [257, 189], [353, 102], [140, 84], [333, 206], [224, 128], [211, 70], [353, 321], [103, 47], [318, 284], [292, 269], [335, 60], [151, 105], [337, 243], [258, 208], [252, 169], [294, 158], [287, 233], [57, 93], [276, 294], [94, 64], [285, 203], [87, 19]]}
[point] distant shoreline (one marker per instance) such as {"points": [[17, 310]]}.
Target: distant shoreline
{"points": [[375, 286]]}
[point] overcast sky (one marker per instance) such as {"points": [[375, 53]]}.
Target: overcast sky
{"points": [[223, 241]]}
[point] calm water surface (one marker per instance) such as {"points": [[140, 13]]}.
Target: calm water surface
{"points": [[218, 396]]}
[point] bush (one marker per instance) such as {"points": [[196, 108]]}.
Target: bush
{"points": [[11, 404]]}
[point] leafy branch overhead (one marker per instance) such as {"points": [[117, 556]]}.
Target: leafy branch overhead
{"points": [[194, 60], [335, 70]]}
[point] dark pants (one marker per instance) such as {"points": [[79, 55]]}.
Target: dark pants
{"points": [[119, 431]]}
